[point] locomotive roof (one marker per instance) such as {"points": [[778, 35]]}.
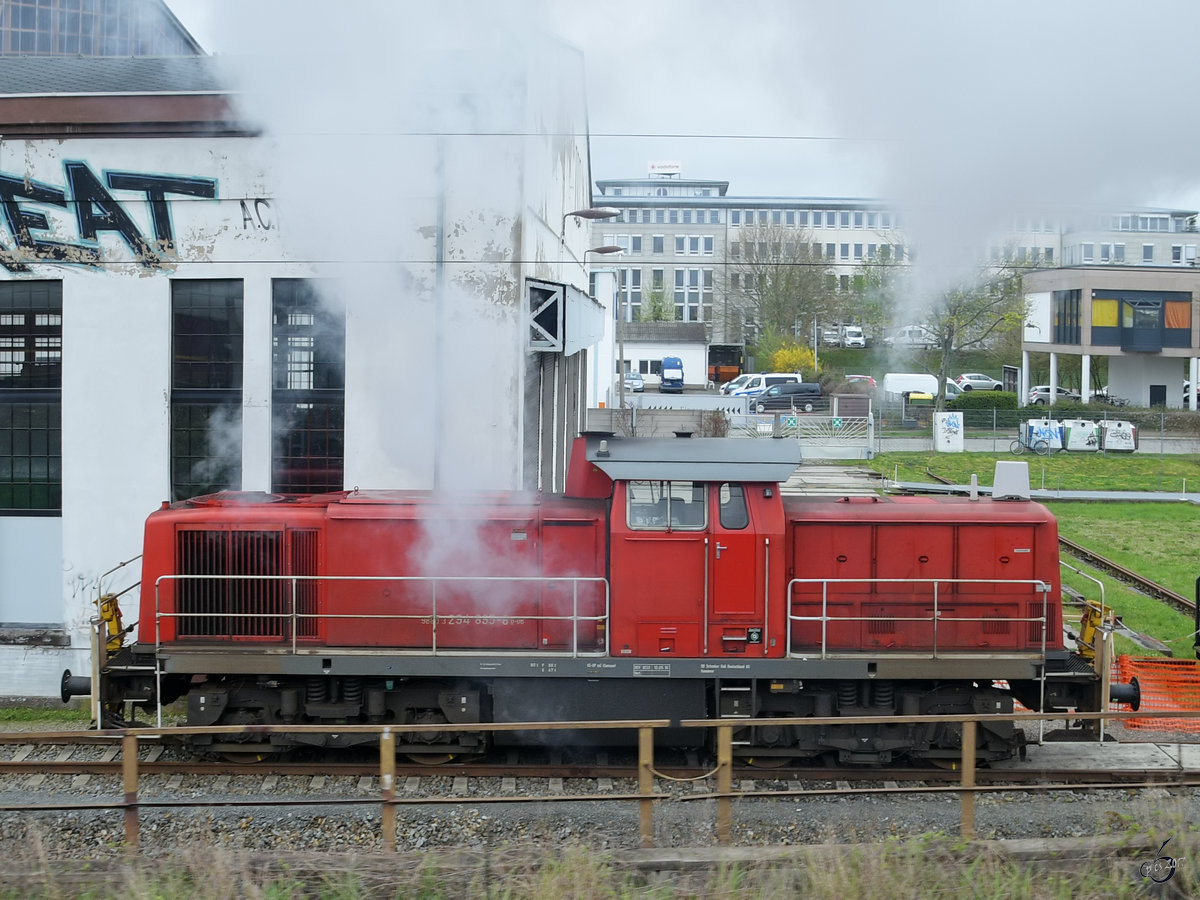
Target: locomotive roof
{"points": [[694, 459]]}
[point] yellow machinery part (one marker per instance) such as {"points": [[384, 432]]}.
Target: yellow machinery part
{"points": [[110, 613], [1094, 616]]}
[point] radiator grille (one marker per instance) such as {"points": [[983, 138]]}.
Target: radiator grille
{"points": [[304, 562], [241, 603]]}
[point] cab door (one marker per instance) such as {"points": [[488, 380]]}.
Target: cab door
{"points": [[737, 575]]}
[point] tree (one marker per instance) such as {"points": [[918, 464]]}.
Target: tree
{"points": [[971, 314], [657, 307], [776, 278], [875, 290]]}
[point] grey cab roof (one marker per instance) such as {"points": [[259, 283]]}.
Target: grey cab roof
{"points": [[50, 75], [694, 459]]}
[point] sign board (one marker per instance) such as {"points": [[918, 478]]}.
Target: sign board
{"points": [[665, 168]]}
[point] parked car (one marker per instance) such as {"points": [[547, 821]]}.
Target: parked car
{"points": [[977, 381], [634, 382], [1187, 393], [831, 338], [730, 386], [756, 384], [852, 336], [1104, 396], [799, 396], [1040, 395], [953, 391], [860, 379]]}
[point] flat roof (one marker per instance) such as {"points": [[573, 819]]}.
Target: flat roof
{"points": [[764, 459]]}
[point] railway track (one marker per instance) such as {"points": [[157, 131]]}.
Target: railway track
{"points": [[74, 766], [1129, 577]]}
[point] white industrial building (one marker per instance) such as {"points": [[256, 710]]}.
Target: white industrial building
{"points": [[188, 304]]}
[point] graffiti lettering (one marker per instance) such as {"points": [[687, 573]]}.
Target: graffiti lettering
{"points": [[21, 222], [156, 188], [258, 218], [96, 211]]}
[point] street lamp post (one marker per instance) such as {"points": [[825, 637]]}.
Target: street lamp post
{"points": [[816, 336], [592, 212]]}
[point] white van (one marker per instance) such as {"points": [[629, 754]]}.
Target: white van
{"points": [[852, 336], [756, 384], [913, 336]]}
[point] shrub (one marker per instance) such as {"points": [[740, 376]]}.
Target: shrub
{"points": [[985, 400]]}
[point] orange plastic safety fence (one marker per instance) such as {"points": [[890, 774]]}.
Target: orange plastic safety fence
{"points": [[1166, 684]]}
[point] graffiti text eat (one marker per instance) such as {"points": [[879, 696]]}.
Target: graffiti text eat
{"points": [[96, 210]]}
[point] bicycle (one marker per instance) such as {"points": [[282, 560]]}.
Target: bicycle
{"points": [[1036, 445]]}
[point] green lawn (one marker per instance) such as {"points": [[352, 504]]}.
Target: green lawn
{"points": [[1058, 472]]}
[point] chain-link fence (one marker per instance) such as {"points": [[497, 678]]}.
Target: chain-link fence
{"points": [[1159, 430]]}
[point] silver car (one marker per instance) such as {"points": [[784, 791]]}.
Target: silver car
{"points": [[1040, 395], [977, 381]]}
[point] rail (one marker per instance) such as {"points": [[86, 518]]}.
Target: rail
{"points": [[131, 803]]}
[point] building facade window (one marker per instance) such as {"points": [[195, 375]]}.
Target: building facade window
{"points": [[693, 295], [657, 244], [206, 386], [1147, 253], [31, 397], [308, 390], [1068, 317], [629, 286]]}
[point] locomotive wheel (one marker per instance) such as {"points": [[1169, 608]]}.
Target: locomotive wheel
{"points": [[769, 762], [430, 759], [245, 757], [951, 765]]}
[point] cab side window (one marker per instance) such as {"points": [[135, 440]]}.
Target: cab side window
{"points": [[688, 506], [667, 505], [733, 512]]}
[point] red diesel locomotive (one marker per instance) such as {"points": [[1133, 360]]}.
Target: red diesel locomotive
{"points": [[670, 580]]}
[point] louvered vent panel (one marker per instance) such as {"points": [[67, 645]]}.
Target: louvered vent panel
{"points": [[234, 607], [304, 562]]}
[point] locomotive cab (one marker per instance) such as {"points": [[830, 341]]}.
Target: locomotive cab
{"points": [[695, 545]]}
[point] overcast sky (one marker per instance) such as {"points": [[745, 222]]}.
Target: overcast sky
{"points": [[964, 112]]}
